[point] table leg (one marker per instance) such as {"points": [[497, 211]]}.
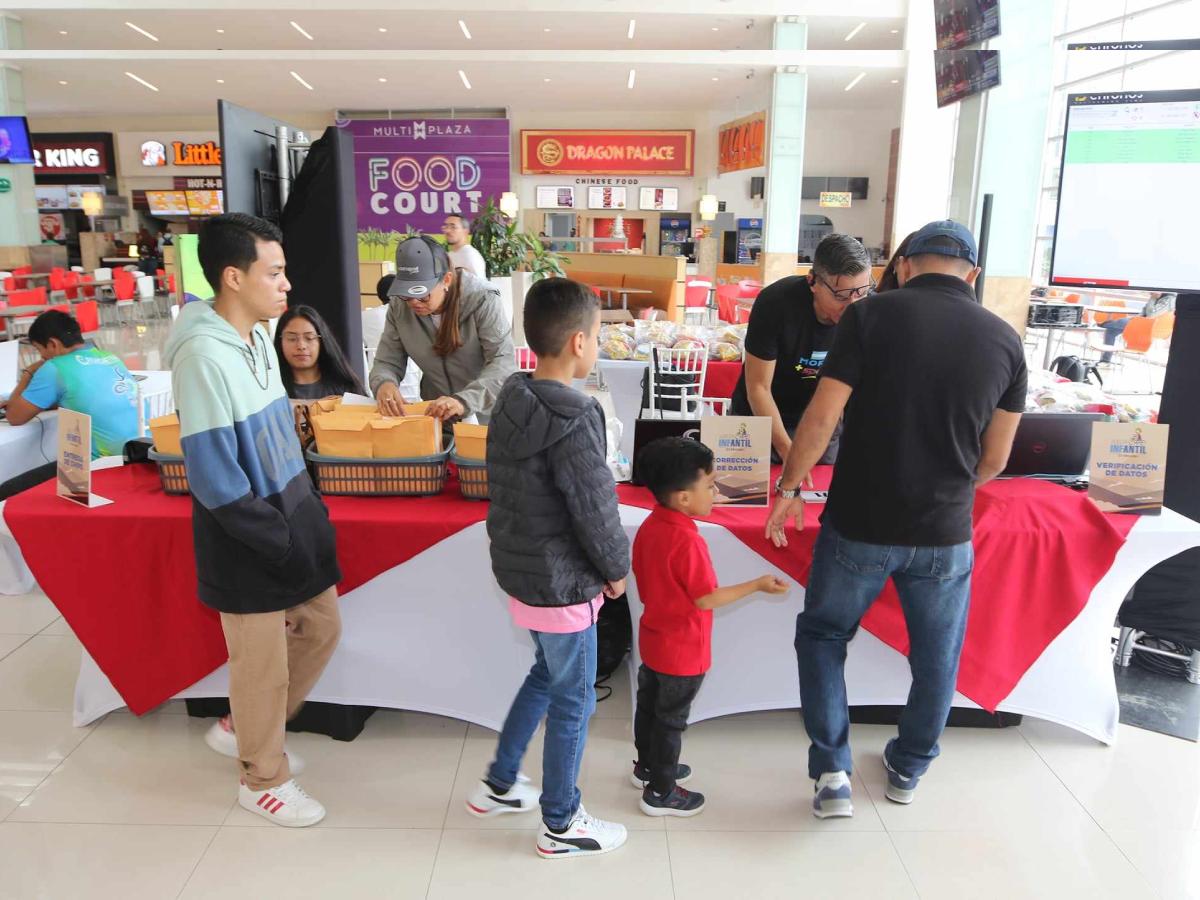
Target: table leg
{"points": [[1049, 343]]}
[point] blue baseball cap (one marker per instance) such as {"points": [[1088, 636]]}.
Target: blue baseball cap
{"points": [[947, 238]]}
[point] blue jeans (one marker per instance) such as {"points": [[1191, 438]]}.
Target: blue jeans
{"points": [[1113, 329], [934, 584], [560, 688]]}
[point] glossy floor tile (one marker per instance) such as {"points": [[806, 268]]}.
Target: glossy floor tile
{"points": [[1169, 860], [32, 745], [26, 613], [10, 642], [40, 674]]}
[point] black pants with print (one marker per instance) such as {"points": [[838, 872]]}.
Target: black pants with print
{"points": [[663, 705]]}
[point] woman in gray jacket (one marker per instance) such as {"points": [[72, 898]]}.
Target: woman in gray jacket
{"points": [[452, 326]]}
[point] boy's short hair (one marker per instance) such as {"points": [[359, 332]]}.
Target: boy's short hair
{"points": [[555, 309], [672, 464], [232, 240], [52, 324]]}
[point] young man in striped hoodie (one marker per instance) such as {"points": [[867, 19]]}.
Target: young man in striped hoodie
{"points": [[265, 554]]}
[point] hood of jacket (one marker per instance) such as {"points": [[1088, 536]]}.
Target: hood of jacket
{"points": [[200, 330], [539, 414]]}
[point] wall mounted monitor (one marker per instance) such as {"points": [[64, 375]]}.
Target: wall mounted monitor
{"points": [[15, 146], [961, 23]]}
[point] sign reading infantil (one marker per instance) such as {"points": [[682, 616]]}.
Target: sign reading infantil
{"points": [[1129, 467], [741, 447], [593, 152], [74, 475]]}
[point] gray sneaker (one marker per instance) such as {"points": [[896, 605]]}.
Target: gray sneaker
{"points": [[900, 789], [831, 796]]}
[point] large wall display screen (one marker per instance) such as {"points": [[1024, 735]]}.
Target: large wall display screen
{"points": [[1129, 192]]}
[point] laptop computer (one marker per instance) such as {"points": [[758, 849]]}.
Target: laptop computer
{"points": [[1054, 446], [647, 430], [10, 367]]}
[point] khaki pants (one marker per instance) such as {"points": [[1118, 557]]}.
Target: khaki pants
{"points": [[274, 661]]}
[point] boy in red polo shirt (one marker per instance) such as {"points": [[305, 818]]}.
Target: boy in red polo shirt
{"points": [[679, 591]]}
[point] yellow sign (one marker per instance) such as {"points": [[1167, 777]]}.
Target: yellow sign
{"points": [[835, 199], [741, 447], [1129, 467]]}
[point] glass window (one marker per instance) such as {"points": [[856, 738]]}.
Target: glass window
{"points": [[1081, 13]]}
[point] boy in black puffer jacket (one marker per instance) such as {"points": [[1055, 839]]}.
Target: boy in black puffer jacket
{"points": [[558, 549]]}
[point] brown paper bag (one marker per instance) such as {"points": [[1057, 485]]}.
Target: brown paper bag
{"points": [[470, 441], [165, 430], [409, 437], [345, 436]]}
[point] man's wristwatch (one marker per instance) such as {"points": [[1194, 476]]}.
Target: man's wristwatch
{"points": [[792, 494]]}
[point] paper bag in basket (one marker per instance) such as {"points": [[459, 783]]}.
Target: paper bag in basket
{"points": [[165, 430], [345, 436], [470, 441], [408, 437]]}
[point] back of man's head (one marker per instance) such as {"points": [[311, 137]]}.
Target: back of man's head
{"points": [[840, 254], [232, 240], [943, 247], [556, 309], [55, 324]]}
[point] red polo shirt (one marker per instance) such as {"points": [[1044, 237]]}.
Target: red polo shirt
{"points": [[673, 569]]}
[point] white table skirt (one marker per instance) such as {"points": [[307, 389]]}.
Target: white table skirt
{"points": [[411, 641], [25, 447]]}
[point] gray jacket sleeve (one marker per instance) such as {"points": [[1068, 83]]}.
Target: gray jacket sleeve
{"points": [[391, 359], [499, 358], [580, 469]]}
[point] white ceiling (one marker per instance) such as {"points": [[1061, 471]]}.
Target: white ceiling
{"points": [[585, 55]]}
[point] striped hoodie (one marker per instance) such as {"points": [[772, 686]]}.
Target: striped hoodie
{"points": [[262, 535]]}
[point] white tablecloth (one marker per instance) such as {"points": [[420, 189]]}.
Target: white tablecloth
{"points": [[415, 639]]}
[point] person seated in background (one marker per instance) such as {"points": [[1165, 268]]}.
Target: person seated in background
{"points": [[1158, 304], [313, 363]]}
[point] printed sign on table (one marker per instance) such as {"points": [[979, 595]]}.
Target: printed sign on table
{"points": [[741, 446], [75, 459], [1129, 467], [415, 172]]}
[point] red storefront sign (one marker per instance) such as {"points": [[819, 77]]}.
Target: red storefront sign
{"points": [[71, 154], [743, 144], [607, 152]]}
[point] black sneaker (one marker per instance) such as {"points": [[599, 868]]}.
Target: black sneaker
{"points": [[640, 778], [680, 802]]}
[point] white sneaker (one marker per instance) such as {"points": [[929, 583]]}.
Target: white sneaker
{"points": [[485, 803], [285, 805], [585, 836], [220, 737]]}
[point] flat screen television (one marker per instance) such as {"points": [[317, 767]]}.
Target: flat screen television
{"points": [[1128, 191], [962, 73], [15, 146], [961, 23], [813, 186]]}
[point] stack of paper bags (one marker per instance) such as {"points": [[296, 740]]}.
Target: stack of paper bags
{"points": [[470, 441], [165, 430], [360, 432]]}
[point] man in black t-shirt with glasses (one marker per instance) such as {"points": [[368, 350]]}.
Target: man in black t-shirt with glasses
{"points": [[932, 387], [790, 333]]}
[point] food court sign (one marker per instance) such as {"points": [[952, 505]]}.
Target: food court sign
{"points": [[607, 152], [415, 172]]}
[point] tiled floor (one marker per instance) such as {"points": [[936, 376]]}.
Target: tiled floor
{"points": [[135, 808]]}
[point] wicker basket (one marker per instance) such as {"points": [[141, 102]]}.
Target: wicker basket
{"points": [[421, 477], [472, 477], [172, 472]]}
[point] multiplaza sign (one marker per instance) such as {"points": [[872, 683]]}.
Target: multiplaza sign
{"points": [[155, 153]]}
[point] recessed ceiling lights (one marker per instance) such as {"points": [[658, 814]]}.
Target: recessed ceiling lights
{"points": [[546, 30], [220, 81], [62, 32], [142, 31], [632, 79], [296, 25], [383, 81], [62, 82], [857, 78], [632, 28], [715, 28], [383, 31], [546, 80], [143, 82], [715, 78], [895, 81], [895, 31], [465, 30], [296, 75], [220, 31], [854, 31], [466, 81]]}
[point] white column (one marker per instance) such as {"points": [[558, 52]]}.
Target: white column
{"points": [[785, 159], [18, 206]]}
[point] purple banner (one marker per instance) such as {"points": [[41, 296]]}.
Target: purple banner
{"points": [[413, 172]]}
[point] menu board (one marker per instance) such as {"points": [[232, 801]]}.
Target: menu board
{"points": [[666, 199], [606, 198], [554, 197], [53, 197], [205, 203], [167, 203], [75, 193]]}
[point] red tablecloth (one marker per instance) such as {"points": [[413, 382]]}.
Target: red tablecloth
{"points": [[721, 378], [125, 579]]}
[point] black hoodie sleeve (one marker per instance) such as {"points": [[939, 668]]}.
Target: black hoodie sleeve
{"points": [[579, 465]]}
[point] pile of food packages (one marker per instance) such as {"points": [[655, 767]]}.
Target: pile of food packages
{"points": [[636, 341], [1050, 393]]}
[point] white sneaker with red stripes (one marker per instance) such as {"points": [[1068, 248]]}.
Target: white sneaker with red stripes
{"points": [[286, 805], [221, 737]]}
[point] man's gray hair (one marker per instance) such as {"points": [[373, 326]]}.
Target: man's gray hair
{"points": [[840, 254]]}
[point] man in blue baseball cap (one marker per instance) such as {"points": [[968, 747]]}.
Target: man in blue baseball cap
{"points": [[932, 386]]}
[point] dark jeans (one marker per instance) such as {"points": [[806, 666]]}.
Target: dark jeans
{"points": [[561, 689], [663, 705], [934, 584], [1113, 329]]}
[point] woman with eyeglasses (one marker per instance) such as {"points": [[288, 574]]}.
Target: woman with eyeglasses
{"points": [[791, 329], [452, 325], [314, 366]]}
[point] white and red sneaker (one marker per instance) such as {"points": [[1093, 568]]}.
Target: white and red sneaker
{"points": [[585, 836], [221, 737], [287, 805], [485, 803]]}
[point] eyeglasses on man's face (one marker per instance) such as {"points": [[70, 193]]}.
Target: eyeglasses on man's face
{"points": [[848, 295]]}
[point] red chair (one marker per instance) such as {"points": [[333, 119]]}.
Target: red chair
{"points": [[695, 297], [741, 315], [124, 285], [727, 302], [89, 293], [88, 316], [10, 285], [58, 279], [748, 289], [30, 297], [19, 274], [71, 285]]}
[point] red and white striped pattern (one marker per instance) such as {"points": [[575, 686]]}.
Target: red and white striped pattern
{"points": [[270, 803]]}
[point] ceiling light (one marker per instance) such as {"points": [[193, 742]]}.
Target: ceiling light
{"points": [[715, 78], [857, 78], [466, 82], [546, 30], [383, 31], [546, 80], [142, 31], [465, 30], [715, 28], [632, 78], [383, 81], [62, 32], [895, 81], [854, 31], [296, 25], [632, 28], [62, 82], [142, 82], [296, 75], [220, 81], [220, 31], [895, 31]]}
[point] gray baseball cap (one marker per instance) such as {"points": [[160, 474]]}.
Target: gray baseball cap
{"points": [[421, 263]]}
